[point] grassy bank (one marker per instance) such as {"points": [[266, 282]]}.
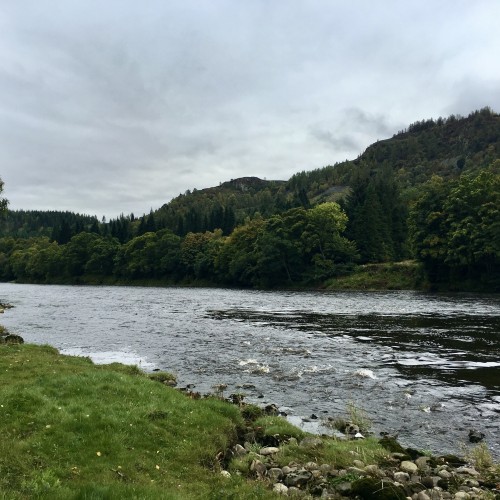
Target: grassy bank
{"points": [[72, 429], [406, 275]]}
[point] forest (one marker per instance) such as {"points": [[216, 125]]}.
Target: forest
{"points": [[430, 193]]}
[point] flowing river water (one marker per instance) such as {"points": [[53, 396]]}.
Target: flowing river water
{"points": [[425, 367]]}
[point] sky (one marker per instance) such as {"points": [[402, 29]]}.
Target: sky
{"points": [[117, 106]]}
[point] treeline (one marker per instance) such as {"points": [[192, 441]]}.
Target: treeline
{"points": [[299, 246], [455, 229], [452, 227]]}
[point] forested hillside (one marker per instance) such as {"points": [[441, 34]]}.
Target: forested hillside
{"points": [[431, 192]]}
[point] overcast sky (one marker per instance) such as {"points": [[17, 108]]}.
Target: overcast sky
{"points": [[110, 106]]}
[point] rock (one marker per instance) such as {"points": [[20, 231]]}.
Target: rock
{"points": [[311, 442], [11, 339], [239, 451], [299, 478], [225, 473], [445, 474], [422, 463], [295, 492], [407, 466], [358, 463], [373, 470], [271, 410], [344, 488], [280, 489], [475, 436], [275, 474], [390, 444], [468, 470], [423, 496], [461, 495], [373, 489], [311, 466], [401, 477], [269, 450], [428, 482], [288, 470], [293, 441], [258, 468]]}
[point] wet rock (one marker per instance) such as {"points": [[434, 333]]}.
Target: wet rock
{"points": [[475, 436], [271, 410], [269, 450], [280, 489], [409, 467]]}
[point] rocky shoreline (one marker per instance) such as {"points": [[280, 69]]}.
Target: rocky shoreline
{"points": [[406, 474]]}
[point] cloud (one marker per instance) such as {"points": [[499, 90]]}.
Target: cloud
{"points": [[117, 106]]}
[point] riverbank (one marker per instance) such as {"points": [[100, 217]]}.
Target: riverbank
{"points": [[72, 429]]}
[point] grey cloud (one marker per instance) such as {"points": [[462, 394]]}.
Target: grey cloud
{"points": [[118, 106]]}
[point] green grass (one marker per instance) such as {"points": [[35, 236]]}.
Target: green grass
{"points": [[71, 429], [406, 275]]}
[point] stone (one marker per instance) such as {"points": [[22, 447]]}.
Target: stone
{"points": [[311, 442], [275, 474], [373, 470], [428, 482], [358, 463], [444, 474], [280, 489], [407, 466], [423, 496], [239, 451], [299, 478], [475, 436], [258, 467], [344, 488], [468, 470], [269, 450], [401, 477], [225, 473], [311, 466], [422, 463], [295, 492], [287, 469], [461, 495]]}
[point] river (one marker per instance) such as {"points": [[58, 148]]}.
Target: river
{"points": [[423, 366]]}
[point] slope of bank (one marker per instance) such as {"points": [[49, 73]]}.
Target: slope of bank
{"points": [[72, 429]]}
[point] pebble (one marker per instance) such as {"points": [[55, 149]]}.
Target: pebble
{"points": [[407, 466]]}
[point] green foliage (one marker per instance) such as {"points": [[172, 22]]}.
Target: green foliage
{"points": [[455, 229]]}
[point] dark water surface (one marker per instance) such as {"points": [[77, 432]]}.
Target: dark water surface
{"points": [[424, 366]]}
